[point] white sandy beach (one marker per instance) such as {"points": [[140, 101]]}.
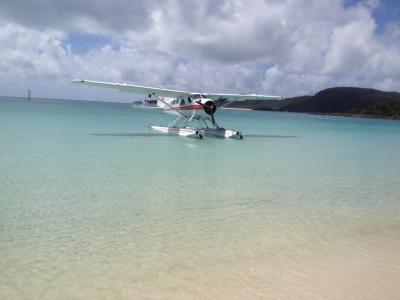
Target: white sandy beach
{"points": [[360, 266]]}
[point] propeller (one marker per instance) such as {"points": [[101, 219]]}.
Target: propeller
{"points": [[209, 107]]}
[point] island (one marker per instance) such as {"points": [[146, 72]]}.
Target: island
{"points": [[342, 101]]}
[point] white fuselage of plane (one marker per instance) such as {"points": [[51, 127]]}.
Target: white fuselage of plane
{"points": [[196, 106]]}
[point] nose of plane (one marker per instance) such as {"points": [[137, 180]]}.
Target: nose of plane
{"points": [[210, 107]]}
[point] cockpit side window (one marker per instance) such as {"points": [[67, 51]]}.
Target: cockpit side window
{"points": [[189, 100]]}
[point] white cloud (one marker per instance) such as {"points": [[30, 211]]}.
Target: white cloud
{"points": [[277, 47]]}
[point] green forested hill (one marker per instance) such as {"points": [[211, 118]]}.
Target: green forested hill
{"points": [[338, 100]]}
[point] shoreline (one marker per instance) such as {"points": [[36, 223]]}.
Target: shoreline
{"points": [[349, 115]]}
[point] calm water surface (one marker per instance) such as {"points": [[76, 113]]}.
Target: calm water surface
{"points": [[93, 205]]}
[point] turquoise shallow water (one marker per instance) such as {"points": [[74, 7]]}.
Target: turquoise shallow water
{"points": [[94, 205]]}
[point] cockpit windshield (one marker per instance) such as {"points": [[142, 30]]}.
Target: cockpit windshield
{"points": [[198, 96], [195, 96]]}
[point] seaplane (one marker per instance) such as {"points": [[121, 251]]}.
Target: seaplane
{"points": [[188, 107]]}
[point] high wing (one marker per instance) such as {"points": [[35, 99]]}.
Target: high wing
{"points": [[137, 89], [129, 88], [241, 97]]}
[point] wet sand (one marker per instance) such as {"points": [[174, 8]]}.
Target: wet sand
{"points": [[362, 265]]}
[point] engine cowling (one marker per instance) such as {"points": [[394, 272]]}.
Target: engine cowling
{"points": [[209, 106]]}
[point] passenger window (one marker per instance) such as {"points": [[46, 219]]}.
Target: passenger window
{"points": [[183, 101], [189, 100]]}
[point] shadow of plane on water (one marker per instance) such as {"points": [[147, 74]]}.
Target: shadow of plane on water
{"points": [[144, 134]]}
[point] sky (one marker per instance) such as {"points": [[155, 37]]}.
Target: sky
{"points": [[273, 47]]}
